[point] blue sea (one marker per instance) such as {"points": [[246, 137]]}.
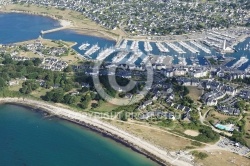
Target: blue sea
{"points": [[28, 138]]}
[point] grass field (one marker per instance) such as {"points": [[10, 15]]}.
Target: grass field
{"points": [[194, 93], [105, 107], [156, 137], [214, 115], [223, 158], [15, 87], [247, 129], [40, 92]]}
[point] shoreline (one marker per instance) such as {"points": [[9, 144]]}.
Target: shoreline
{"points": [[66, 25], [69, 25], [136, 144]]}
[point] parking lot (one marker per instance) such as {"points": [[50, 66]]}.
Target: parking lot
{"points": [[233, 146]]}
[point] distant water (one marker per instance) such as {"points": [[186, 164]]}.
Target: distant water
{"points": [[16, 27], [29, 139]]}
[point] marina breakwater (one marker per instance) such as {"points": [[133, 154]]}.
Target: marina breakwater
{"points": [[53, 30]]}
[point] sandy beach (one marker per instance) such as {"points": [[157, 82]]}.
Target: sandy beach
{"points": [[140, 145]]}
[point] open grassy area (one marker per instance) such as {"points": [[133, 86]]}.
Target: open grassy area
{"points": [[105, 107], [155, 136], [221, 158], [194, 93], [40, 92], [15, 87], [247, 130], [214, 115]]}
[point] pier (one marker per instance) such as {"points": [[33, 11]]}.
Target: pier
{"points": [[201, 47], [92, 50], [240, 62], [147, 46], [176, 48], [52, 30], [134, 45], [188, 47], [124, 44], [133, 58], [119, 57], [105, 53], [161, 47]]}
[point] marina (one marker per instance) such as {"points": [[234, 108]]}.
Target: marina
{"points": [[92, 50], [147, 46], [194, 60], [176, 48], [201, 47], [119, 57], [132, 59], [134, 45], [124, 44], [240, 62], [161, 47], [105, 53], [247, 70], [160, 60], [68, 35], [83, 46], [146, 59], [182, 61], [188, 47]]}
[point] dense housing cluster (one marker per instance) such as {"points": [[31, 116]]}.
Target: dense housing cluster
{"points": [[150, 17]]}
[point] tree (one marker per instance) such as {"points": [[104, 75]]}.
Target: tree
{"points": [[28, 63], [68, 69], [28, 87], [2, 83], [123, 116], [37, 61], [94, 105], [49, 96]]}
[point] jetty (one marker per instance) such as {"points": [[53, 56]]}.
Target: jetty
{"points": [[161, 47], [201, 47], [247, 70], [176, 48], [52, 30], [124, 44], [240, 62], [83, 46], [188, 47], [135, 45], [147, 46], [134, 57], [119, 57], [92, 50], [105, 53]]}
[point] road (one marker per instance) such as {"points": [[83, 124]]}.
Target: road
{"points": [[203, 118]]}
